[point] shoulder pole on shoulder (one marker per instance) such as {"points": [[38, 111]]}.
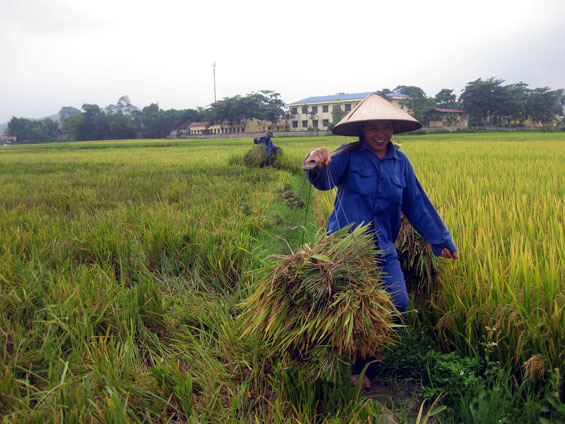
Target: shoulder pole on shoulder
{"points": [[341, 149]]}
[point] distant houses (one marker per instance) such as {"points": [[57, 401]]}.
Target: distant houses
{"points": [[226, 128], [441, 118], [5, 139], [319, 112], [310, 114]]}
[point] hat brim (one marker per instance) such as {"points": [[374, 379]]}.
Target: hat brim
{"points": [[375, 108], [353, 128]]}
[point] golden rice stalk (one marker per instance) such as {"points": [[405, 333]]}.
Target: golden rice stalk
{"points": [[534, 367], [418, 263], [255, 157], [323, 306]]}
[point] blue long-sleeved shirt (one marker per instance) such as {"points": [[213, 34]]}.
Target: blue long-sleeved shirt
{"points": [[377, 190], [269, 146]]}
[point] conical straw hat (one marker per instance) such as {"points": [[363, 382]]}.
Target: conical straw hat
{"points": [[372, 108]]}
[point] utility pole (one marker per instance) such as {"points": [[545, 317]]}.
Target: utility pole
{"points": [[214, 73]]}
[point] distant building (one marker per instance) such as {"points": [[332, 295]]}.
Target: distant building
{"points": [[316, 112], [6, 139], [435, 118], [224, 128], [65, 135], [531, 123]]}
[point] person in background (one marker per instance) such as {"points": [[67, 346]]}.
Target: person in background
{"points": [[375, 183], [270, 147]]}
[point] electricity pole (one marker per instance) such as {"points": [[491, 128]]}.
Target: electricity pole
{"points": [[214, 73]]}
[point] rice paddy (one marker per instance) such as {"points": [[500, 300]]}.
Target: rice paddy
{"points": [[124, 265]]}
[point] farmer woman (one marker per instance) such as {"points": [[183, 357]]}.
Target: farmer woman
{"points": [[376, 182]]}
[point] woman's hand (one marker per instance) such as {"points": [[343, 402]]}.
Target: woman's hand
{"points": [[445, 253], [321, 156]]}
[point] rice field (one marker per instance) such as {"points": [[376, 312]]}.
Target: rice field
{"points": [[123, 266]]}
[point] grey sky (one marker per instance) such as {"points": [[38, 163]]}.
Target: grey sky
{"points": [[68, 52]]}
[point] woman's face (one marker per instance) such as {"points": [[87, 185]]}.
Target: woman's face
{"points": [[377, 135]]}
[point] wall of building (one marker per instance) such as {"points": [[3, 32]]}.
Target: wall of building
{"points": [[316, 115]]}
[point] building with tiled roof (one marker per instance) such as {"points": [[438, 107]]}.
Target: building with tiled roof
{"points": [[318, 112]]}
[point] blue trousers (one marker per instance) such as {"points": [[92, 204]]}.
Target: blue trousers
{"points": [[393, 280]]}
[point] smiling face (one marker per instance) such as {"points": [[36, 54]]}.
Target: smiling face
{"points": [[377, 135]]}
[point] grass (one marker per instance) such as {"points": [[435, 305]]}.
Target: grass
{"points": [[122, 265]]}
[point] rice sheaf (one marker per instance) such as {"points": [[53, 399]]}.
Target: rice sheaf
{"points": [[323, 306]]}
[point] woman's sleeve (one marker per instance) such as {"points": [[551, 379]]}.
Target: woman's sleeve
{"points": [[423, 215], [329, 176]]}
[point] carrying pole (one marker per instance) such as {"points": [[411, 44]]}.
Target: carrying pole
{"points": [[341, 149]]}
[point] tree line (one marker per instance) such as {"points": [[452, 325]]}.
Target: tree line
{"points": [[125, 121], [487, 102]]}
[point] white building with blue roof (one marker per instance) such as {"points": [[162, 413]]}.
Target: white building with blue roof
{"points": [[318, 112]]}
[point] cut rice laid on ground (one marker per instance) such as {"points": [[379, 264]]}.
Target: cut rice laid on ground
{"points": [[323, 306], [255, 157]]}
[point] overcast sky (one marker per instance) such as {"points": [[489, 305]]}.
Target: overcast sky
{"points": [[69, 52]]}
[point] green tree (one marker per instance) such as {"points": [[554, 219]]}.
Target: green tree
{"points": [[384, 92], [417, 102], [32, 131], [512, 104], [482, 100], [157, 123], [17, 127], [264, 105], [151, 123], [231, 109], [66, 112], [445, 98], [337, 114], [270, 106], [120, 126], [50, 128], [91, 124], [543, 104]]}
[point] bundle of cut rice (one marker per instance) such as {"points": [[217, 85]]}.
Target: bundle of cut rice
{"points": [[323, 306], [418, 263], [255, 157]]}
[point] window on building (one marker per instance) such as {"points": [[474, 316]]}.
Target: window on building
{"points": [[315, 123], [325, 108], [304, 124], [304, 109], [348, 107], [294, 124], [314, 109], [325, 123], [294, 110]]}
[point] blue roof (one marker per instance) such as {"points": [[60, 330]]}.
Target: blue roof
{"points": [[342, 96]]}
